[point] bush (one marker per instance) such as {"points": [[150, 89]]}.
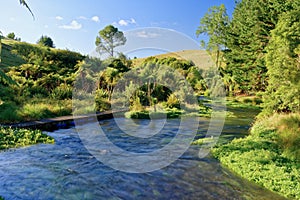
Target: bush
{"points": [[101, 100], [8, 112], [173, 102], [62, 92]]}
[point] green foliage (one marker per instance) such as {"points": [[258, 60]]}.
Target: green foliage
{"points": [[283, 62], [13, 36], [243, 41], [46, 41], [173, 102], [62, 92], [13, 138], [101, 100], [289, 136], [108, 39], [215, 25], [262, 156]]}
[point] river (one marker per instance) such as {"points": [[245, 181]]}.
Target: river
{"points": [[66, 170]]}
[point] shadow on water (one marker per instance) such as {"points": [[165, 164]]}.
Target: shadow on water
{"points": [[66, 170]]}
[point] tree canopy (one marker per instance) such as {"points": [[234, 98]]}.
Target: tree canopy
{"points": [[46, 41], [283, 64], [257, 50], [108, 39]]}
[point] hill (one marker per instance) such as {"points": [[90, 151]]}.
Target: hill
{"points": [[8, 58], [199, 57]]}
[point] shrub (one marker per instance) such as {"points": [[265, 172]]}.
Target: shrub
{"points": [[62, 92], [173, 102]]}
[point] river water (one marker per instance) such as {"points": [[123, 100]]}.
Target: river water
{"points": [[66, 170]]}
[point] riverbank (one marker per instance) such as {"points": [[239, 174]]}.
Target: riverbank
{"points": [[269, 156]]}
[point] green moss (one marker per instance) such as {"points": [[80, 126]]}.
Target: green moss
{"points": [[13, 138]]}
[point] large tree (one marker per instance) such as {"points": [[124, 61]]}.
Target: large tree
{"points": [[248, 35], [108, 39], [283, 63]]}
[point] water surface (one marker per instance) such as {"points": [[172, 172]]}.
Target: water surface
{"points": [[66, 170]]}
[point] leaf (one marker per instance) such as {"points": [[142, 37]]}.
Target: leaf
{"points": [[23, 2]]}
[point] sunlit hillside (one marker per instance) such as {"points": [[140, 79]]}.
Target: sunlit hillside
{"points": [[200, 57]]}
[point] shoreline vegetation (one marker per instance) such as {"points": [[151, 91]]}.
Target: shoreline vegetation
{"points": [[269, 156], [15, 138]]}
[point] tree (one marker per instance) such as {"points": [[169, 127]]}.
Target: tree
{"points": [[214, 24], [12, 36], [109, 38], [283, 63], [247, 37], [46, 41]]}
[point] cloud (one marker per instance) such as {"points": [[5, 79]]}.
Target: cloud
{"points": [[82, 17], [74, 25], [95, 19], [124, 22], [144, 34], [59, 18]]}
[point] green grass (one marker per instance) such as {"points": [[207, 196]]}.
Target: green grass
{"points": [[262, 157], [8, 58], [34, 109], [13, 138]]}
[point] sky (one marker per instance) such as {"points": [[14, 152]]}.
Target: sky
{"points": [[74, 24]]}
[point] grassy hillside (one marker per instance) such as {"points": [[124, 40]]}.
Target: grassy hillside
{"points": [[199, 57], [43, 81], [8, 58]]}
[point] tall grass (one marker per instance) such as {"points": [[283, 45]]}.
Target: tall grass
{"points": [[34, 109]]}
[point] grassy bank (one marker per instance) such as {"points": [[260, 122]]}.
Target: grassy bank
{"points": [[269, 156], [13, 138], [34, 109]]}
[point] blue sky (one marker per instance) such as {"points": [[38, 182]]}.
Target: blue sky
{"points": [[74, 24]]}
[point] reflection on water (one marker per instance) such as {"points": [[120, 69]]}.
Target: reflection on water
{"points": [[66, 170]]}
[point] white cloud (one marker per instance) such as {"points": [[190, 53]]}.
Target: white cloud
{"points": [[124, 22], [74, 25], [59, 18], [82, 17], [46, 26], [144, 34], [132, 21], [95, 19]]}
